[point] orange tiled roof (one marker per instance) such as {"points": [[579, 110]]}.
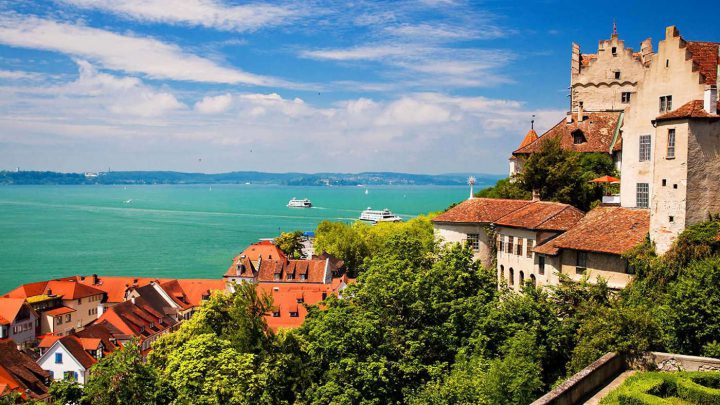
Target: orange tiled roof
{"points": [[612, 230], [530, 137], [114, 287], [135, 318], [691, 109], [241, 266], [598, 129], [480, 210], [264, 249], [705, 57], [312, 269], [542, 215], [285, 300], [196, 289], [10, 307], [19, 372], [59, 311], [68, 288]]}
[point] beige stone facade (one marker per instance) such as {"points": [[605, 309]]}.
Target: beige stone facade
{"points": [[515, 258], [607, 79], [460, 233]]}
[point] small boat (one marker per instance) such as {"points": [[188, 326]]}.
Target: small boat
{"points": [[366, 191], [376, 216], [295, 203], [128, 201]]}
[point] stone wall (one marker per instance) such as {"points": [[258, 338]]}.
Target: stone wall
{"points": [[454, 232], [612, 268]]}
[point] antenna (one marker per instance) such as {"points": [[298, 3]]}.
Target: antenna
{"points": [[471, 182], [614, 28], [532, 122]]}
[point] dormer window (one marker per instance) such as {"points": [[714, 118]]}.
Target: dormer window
{"points": [[294, 314], [277, 277], [303, 277], [300, 300], [578, 137], [290, 276]]}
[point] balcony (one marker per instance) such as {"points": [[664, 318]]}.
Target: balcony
{"points": [[611, 199]]}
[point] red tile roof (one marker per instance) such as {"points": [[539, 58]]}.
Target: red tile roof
{"points": [[68, 288], [705, 57], [19, 372], [241, 266], [136, 318], [312, 269], [77, 349], [176, 293], [598, 128], [10, 307], [542, 215], [114, 287], [59, 311], [691, 109], [612, 230], [530, 137], [264, 249], [197, 290], [106, 332], [285, 300], [480, 210]]}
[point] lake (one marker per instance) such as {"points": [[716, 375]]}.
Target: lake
{"points": [[165, 231]]}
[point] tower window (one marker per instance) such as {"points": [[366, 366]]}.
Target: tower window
{"points": [[664, 182], [625, 98], [667, 62], [671, 218], [642, 195], [617, 74], [665, 103], [614, 51], [671, 144], [644, 148]]}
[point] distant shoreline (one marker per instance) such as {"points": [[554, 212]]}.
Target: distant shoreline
{"points": [[239, 178]]}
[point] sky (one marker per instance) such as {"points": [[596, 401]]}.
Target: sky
{"points": [[426, 86]]}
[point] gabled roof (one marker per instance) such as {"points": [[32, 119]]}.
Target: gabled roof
{"points": [[598, 128], [10, 307], [106, 332], [705, 57], [241, 266], [75, 347], [58, 311], [197, 289], [691, 109], [136, 318], [612, 230], [542, 215], [313, 269], [480, 210], [176, 293], [69, 289], [114, 287], [264, 249], [19, 372], [285, 300]]}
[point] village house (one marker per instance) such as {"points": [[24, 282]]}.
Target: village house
{"points": [[70, 357], [19, 373], [62, 305], [518, 232], [594, 247], [18, 321]]}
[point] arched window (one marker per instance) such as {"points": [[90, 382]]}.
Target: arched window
{"points": [[512, 276], [502, 272], [522, 278], [533, 280]]}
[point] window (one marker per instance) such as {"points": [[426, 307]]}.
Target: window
{"points": [[277, 277], [644, 148], [671, 144], [530, 247], [642, 196], [300, 300], [58, 358], [70, 376], [519, 247], [510, 244], [581, 262], [522, 278], [294, 314], [79, 301], [68, 318], [473, 239], [502, 272], [667, 62], [617, 75], [541, 264], [625, 97], [290, 276], [671, 219], [664, 182], [58, 320], [578, 137], [303, 277], [512, 276], [501, 243], [533, 280], [324, 295], [665, 103], [276, 314], [614, 51]]}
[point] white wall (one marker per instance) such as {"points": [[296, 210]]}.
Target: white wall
{"points": [[47, 362]]}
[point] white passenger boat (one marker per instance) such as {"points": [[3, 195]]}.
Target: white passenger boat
{"points": [[295, 203], [376, 216]]}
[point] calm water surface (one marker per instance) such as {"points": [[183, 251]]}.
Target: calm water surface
{"points": [[173, 230]]}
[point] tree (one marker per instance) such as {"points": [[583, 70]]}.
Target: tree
{"points": [[505, 188], [564, 176], [121, 378], [291, 244]]}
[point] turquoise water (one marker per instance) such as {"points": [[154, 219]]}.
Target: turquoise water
{"points": [[171, 230]]}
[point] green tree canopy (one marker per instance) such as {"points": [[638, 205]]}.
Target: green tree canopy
{"points": [[290, 243]]}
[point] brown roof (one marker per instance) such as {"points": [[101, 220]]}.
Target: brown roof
{"points": [[612, 230], [20, 373], [104, 331], [705, 57], [597, 127], [691, 109], [75, 346], [542, 215], [313, 269], [480, 210], [241, 266]]}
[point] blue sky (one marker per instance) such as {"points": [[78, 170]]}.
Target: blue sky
{"points": [[429, 86]]}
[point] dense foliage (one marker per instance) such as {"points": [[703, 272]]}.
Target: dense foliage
{"points": [[291, 244], [558, 175], [424, 324], [660, 388]]}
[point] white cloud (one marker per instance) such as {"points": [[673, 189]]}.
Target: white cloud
{"points": [[357, 53], [214, 104], [18, 75], [128, 53], [206, 13]]}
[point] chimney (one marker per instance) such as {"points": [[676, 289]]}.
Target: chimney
{"points": [[671, 32], [580, 112], [568, 119], [95, 279], [710, 100], [536, 195]]}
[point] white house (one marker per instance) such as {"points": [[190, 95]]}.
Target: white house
{"points": [[70, 357]]}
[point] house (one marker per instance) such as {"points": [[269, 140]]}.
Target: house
{"points": [[138, 318], [63, 304], [18, 321], [20, 373], [594, 247], [470, 222], [519, 231], [70, 357]]}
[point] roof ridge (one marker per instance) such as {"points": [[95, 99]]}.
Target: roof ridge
{"points": [[515, 210]]}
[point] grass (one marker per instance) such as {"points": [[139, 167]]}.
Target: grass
{"points": [[656, 388]]}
